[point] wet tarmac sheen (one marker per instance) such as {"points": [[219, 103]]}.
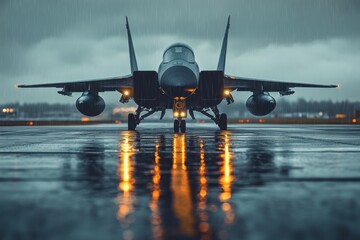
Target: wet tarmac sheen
{"points": [[250, 182]]}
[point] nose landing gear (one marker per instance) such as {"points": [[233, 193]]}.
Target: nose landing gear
{"points": [[179, 112], [179, 125]]}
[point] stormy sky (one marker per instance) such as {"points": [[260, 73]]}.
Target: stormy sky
{"points": [[311, 41]]}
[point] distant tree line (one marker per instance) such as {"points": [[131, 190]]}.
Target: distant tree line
{"points": [[238, 109], [327, 107], [34, 110]]}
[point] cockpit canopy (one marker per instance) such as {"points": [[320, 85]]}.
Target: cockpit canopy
{"points": [[179, 51]]}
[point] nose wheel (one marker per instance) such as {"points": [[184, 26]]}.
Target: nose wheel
{"points": [[222, 122], [179, 125], [132, 122]]}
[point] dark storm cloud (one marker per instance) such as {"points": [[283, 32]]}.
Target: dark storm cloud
{"points": [[45, 41], [280, 20]]}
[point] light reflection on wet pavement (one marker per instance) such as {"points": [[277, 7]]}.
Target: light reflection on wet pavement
{"points": [[250, 182]]}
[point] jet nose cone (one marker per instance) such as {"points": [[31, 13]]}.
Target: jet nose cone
{"points": [[178, 81]]}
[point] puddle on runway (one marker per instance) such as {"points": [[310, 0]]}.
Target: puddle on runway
{"points": [[188, 184], [101, 183]]}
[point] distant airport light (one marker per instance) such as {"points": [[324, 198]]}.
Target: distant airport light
{"points": [[8, 110], [30, 123], [340, 115], [354, 120], [85, 119], [227, 92], [126, 93]]}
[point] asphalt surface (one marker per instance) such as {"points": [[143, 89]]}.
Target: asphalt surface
{"points": [[250, 182]]}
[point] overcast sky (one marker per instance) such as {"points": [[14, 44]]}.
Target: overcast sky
{"points": [[311, 41]]}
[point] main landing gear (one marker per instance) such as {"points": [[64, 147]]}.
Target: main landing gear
{"points": [[219, 119], [132, 121], [179, 125], [135, 119]]}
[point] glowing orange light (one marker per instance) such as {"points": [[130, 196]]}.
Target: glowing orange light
{"points": [[125, 199], [176, 114], [204, 227], [85, 119], [226, 92], [4, 110], [190, 89], [30, 123], [126, 93], [155, 195], [180, 186], [340, 115], [117, 122], [353, 120], [247, 120], [226, 170], [226, 207]]}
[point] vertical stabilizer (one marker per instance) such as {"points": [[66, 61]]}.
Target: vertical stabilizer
{"points": [[133, 63], [222, 58]]}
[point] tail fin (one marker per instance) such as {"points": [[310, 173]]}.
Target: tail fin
{"points": [[133, 63], [222, 58]]}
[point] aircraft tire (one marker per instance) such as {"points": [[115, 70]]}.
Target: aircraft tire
{"points": [[223, 122], [131, 122], [176, 126], [183, 126]]}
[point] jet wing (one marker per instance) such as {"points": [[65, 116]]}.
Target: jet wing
{"points": [[99, 85], [251, 84]]}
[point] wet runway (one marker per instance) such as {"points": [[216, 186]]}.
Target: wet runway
{"points": [[250, 182]]}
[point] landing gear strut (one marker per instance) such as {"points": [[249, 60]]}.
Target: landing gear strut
{"points": [[179, 125], [135, 119], [219, 119]]}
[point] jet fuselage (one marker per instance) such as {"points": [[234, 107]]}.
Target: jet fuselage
{"points": [[178, 72]]}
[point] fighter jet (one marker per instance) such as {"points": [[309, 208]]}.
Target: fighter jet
{"points": [[178, 85]]}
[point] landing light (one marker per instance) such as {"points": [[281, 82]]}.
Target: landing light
{"points": [[226, 92], [176, 114], [8, 110], [126, 93], [182, 114]]}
